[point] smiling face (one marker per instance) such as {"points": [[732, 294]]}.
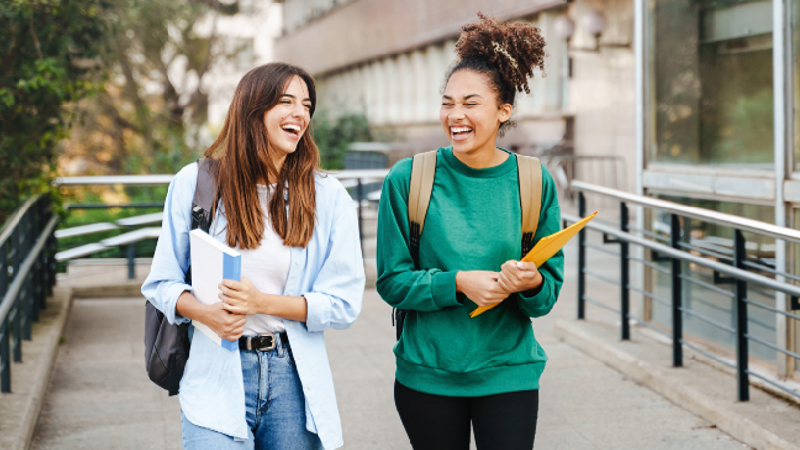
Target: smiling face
{"points": [[470, 114], [287, 121]]}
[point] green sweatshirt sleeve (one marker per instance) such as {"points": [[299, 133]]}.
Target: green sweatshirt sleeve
{"points": [[537, 303], [399, 284]]}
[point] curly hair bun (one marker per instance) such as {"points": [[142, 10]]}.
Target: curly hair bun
{"points": [[514, 48]]}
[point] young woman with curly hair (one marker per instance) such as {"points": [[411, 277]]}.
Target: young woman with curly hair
{"points": [[302, 273], [454, 372]]}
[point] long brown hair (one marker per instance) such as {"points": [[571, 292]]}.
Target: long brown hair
{"points": [[244, 158]]}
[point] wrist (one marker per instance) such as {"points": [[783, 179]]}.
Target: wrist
{"points": [[459, 281], [264, 304], [537, 286], [537, 283]]}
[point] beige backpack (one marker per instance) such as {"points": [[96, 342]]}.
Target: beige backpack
{"points": [[423, 170]]}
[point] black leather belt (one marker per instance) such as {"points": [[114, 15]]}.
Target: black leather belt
{"points": [[264, 342]]}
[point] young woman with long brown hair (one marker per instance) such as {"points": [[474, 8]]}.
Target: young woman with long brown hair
{"points": [[455, 372], [302, 273]]}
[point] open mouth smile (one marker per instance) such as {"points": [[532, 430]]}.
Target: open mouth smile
{"points": [[291, 129], [460, 133]]}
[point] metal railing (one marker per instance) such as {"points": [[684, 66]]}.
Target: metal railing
{"points": [[358, 180], [27, 275], [739, 273]]}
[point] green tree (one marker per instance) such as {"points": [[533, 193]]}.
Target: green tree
{"points": [[334, 136], [147, 117], [48, 48]]}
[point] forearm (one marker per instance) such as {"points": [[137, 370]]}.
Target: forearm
{"points": [[188, 306], [285, 306], [430, 290]]}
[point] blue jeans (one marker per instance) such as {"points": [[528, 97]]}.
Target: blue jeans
{"points": [[274, 405]]}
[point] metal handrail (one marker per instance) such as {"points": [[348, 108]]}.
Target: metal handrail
{"points": [[167, 179], [113, 179], [8, 228], [705, 215], [13, 290], [357, 179], [705, 262], [33, 277], [676, 251]]}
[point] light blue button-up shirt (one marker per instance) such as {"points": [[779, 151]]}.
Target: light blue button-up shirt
{"points": [[329, 273]]}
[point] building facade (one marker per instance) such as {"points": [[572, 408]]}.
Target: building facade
{"points": [[717, 88], [387, 60], [696, 97]]}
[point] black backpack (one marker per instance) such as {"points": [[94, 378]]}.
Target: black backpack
{"points": [[423, 171], [166, 346]]}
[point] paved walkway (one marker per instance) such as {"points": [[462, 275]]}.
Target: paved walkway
{"points": [[100, 397]]}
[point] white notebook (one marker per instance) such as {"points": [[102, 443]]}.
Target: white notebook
{"points": [[212, 261]]}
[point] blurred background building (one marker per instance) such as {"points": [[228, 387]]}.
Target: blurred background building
{"points": [[715, 84], [387, 60]]}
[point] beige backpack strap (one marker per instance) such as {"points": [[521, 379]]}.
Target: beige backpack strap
{"points": [[419, 193], [529, 171], [423, 170]]}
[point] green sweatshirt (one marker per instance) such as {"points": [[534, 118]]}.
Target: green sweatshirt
{"points": [[473, 223]]}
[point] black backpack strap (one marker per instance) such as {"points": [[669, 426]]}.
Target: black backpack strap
{"points": [[202, 204], [204, 194]]}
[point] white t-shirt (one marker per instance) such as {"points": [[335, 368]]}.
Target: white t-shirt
{"points": [[267, 268]]}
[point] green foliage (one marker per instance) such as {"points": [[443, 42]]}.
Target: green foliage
{"points": [[333, 136], [46, 47], [148, 115]]}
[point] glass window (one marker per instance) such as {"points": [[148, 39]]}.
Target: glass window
{"points": [[710, 64]]}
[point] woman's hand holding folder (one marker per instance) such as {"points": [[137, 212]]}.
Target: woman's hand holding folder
{"points": [[542, 251], [481, 287], [519, 276]]}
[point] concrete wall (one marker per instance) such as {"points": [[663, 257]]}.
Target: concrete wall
{"points": [[602, 94], [361, 30], [387, 59]]}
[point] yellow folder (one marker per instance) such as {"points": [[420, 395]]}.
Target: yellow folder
{"points": [[545, 248]]}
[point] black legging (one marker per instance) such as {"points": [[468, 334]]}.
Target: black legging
{"points": [[435, 422]]}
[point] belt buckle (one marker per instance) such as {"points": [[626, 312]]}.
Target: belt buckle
{"points": [[272, 341]]}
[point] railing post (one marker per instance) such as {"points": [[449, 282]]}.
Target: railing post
{"points": [[624, 273], [26, 299], [739, 256], [5, 360], [130, 254], [677, 294], [3, 270], [581, 259], [17, 329], [52, 264], [360, 196], [15, 255]]}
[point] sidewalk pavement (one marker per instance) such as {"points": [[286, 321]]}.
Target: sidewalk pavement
{"points": [[99, 396]]}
